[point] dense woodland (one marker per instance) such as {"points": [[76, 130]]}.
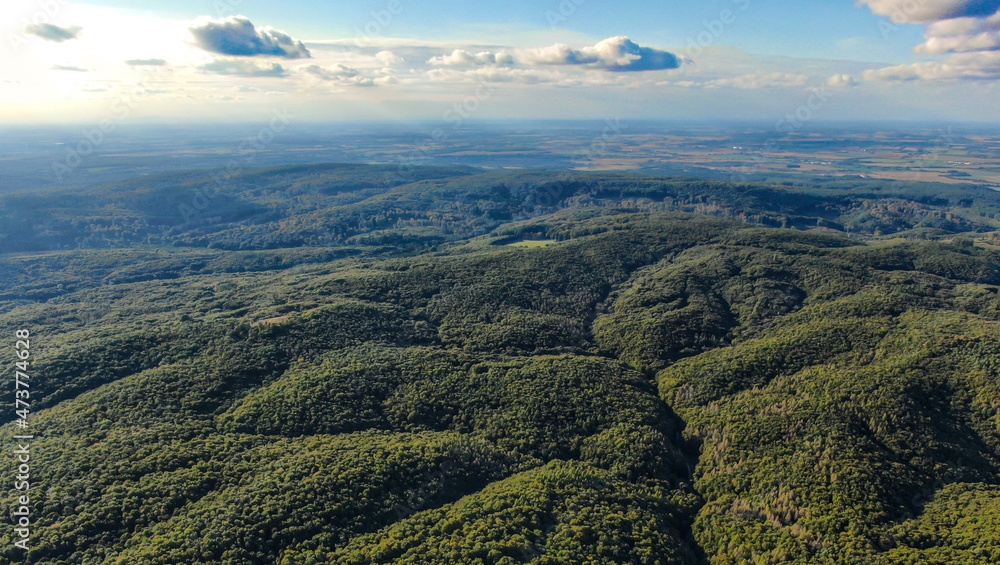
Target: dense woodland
{"points": [[494, 368], [369, 206]]}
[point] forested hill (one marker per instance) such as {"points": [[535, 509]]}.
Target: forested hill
{"points": [[362, 205], [462, 370]]}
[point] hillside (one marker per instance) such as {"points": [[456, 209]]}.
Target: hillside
{"points": [[474, 367], [377, 205]]}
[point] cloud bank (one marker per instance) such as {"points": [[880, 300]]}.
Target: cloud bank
{"points": [[146, 63], [967, 30], [962, 66], [240, 68], [342, 75], [237, 36], [337, 71], [615, 54]]}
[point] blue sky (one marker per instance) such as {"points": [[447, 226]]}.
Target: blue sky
{"points": [[816, 28], [201, 60]]}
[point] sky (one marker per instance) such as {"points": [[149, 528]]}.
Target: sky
{"points": [[197, 61]]}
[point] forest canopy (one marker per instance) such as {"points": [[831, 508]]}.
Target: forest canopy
{"points": [[493, 368]]}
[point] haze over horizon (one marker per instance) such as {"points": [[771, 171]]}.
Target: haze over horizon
{"points": [[388, 60]]}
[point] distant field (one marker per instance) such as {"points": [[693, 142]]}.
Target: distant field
{"points": [[650, 147]]}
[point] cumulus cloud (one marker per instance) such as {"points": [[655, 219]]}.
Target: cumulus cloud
{"points": [[927, 11], [962, 34], [146, 63], [978, 42], [51, 32], [242, 68], [237, 36], [841, 81], [389, 59], [615, 54], [463, 58]]}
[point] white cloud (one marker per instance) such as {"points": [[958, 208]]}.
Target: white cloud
{"points": [[961, 35], [842, 81], [958, 44], [463, 58], [237, 36], [984, 65], [389, 59], [616, 54]]}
